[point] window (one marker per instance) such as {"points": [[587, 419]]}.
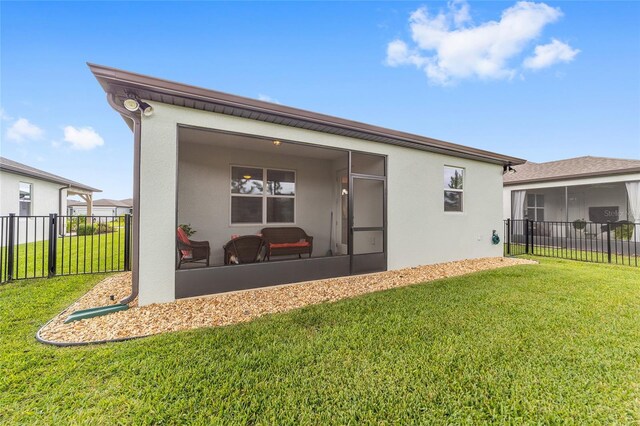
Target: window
{"points": [[535, 207], [453, 189], [260, 196], [25, 199]]}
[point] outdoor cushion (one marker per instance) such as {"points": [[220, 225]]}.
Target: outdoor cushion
{"points": [[182, 236], [283, 245]]}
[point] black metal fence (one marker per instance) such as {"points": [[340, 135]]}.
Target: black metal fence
{"points": [[47, 246], [609, 242]]}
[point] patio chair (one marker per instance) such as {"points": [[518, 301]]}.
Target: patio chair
{"points": [[245, 249], [190, 251]]}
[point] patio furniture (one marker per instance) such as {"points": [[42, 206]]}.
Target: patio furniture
{"points": [[190, 251], [283, 241], [245, 249]]}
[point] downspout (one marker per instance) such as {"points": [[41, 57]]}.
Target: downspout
{"points": [[60, 227], [135, 223]]}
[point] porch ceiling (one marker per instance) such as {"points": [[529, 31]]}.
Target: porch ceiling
{"points": [[248, 143], [120, 83]]}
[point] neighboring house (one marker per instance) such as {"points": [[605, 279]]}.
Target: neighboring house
{"points": [[372, 198], [27, 191], [594, 189], [101, 207]]}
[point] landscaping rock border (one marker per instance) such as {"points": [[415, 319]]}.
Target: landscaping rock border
{"points": [[231, 308]]}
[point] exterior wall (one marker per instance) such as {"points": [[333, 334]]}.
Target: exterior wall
{"points": [[44, 200], [204, 193], [44, 195], [419, 231], [583, 193]]}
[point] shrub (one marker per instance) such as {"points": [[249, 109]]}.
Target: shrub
{"points": [[102, 227], [72, 224], [85, 229], [624, 231]]}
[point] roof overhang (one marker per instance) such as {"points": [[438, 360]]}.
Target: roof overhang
{"points": [[124, 83], [49, 178], [574, 176]]}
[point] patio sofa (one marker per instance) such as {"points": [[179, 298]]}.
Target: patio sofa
{"points": [[289, 240]]}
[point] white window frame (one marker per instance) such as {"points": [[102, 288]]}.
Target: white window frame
{"points": [[30, 201], [535, 207], [265, 195], [464, 180]]}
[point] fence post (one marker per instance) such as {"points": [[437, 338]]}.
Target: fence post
{"points": [[609, 241], [53, 244], [127, 242], [10, 245], [526, 235], [508, 236]]}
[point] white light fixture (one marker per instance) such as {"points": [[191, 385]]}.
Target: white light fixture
{"points": [[146, 109], [277, 143], [247, 176], [131, 104]]}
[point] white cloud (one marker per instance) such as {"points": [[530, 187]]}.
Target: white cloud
{"points": [[4, 116], [267, 98], [448, 47], [398, 53], [84, 138], [460, 10], [550, 54], [22, 130]]}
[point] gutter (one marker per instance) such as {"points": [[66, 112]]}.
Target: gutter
{"points": [[60, 206], [135, 223]]}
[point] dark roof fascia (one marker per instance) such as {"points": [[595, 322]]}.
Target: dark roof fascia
{"points": [[574, 176], [48, 178], [112, 79]]}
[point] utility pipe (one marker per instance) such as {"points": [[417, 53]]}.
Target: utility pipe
{"points": [[135, 223], [60, 227]]}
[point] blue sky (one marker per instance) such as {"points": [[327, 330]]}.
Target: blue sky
{"points": [[563, 81]]}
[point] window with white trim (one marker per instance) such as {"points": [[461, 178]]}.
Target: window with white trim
{"points": [[262, 195], [535, 207], [453, 189], [25, 199]]}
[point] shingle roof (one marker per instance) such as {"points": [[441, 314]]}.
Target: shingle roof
{"points": [[572, 168], [22, 169], [105, 202]]}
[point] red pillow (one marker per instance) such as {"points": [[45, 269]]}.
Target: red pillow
{"points": [[182, 236]]}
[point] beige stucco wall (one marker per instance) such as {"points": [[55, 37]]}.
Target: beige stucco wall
{"points": [[419, 231]]}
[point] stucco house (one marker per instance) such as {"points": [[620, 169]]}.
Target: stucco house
{"points": [[101, 207], [27, 191], [593, 189], [372, 198]]}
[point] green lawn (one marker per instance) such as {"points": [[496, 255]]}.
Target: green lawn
{"points": [[554, 343], [597, 254], [85, 253]]}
